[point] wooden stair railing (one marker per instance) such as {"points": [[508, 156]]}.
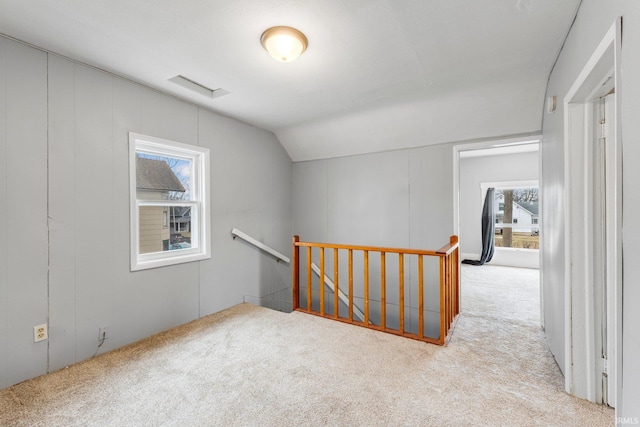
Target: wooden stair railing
{"points": [[329, 284], [449, 286]]}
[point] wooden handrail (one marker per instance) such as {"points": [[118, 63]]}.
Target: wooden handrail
{"points": [[373, 248], [449, 284], [448, 248]]}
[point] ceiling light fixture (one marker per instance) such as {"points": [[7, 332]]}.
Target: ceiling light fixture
{"points": [[285, 44]]}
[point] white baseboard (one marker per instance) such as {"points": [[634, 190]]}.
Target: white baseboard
{"points": [[515, 257], [509, 257], [474, 257]]}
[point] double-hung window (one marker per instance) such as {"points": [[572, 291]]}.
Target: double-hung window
{"points": [[169, 202]]}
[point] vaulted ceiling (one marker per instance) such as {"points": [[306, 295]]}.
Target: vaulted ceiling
{"points": [[378, 74]]}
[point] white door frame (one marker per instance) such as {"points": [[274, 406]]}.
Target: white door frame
{"points": [[580, 328]]}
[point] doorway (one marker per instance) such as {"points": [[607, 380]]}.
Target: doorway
{"points": [[593, 250], [508, 164]]}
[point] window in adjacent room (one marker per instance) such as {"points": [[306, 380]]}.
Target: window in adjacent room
{"points": [[169, 203], [517, 220]]}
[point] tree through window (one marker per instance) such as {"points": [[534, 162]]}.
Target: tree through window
{"points": [[517, 217]]}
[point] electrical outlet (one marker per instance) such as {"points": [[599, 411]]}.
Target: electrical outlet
{"points": [[104, 333], [40, 333]]}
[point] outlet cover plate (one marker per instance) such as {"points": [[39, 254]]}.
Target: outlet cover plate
{"points": [[40, 333]]}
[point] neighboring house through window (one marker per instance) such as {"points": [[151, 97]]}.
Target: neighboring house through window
{"points": [[169, 205], [154, 181]]}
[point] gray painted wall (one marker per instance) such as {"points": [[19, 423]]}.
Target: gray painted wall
{"points": [[23, 210], [74, 120], [594, 19], [476, 170], [399, 198], [90, 285]]}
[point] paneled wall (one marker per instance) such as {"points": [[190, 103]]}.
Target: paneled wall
{"points": [[400, 198], [65, 129], [23, 210]]}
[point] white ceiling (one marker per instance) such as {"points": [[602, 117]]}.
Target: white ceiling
{"points": [[378, 74]]}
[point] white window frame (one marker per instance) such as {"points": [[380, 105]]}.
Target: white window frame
{"points": [[199, 202]]}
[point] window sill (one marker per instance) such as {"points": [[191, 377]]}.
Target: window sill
{"points": [[167, 261], [500, 248]]}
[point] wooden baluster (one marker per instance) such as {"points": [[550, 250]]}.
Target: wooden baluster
{"points": [[322, 281], [309, 281], [420, 296], [456, 275], [351, 285], [452, 287], [383, 290], [336, 308], [449, 299], [456, 279], [366, 287], [451, 295], [446, 295], [401, 291], [295, 273], [443, 307]]}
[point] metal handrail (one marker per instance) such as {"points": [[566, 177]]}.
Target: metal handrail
{"points": [[258, 244]]}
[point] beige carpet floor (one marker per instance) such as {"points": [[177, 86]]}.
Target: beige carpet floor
{"points": [[253, 366]]}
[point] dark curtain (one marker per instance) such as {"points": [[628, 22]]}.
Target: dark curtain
{"points": [[488, 230]]}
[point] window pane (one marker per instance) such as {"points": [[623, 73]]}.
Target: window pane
{"points": [[162, 177], [180, 219], [507, 237], [154, 237], [517, 217]]}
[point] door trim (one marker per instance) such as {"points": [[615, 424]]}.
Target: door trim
{"points": [[580, 328]]}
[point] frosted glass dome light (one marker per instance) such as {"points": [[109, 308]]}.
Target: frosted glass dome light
{"points": [[285, 44]]}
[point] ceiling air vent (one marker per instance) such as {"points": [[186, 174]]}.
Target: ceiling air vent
{"points": [[197, 87]]}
